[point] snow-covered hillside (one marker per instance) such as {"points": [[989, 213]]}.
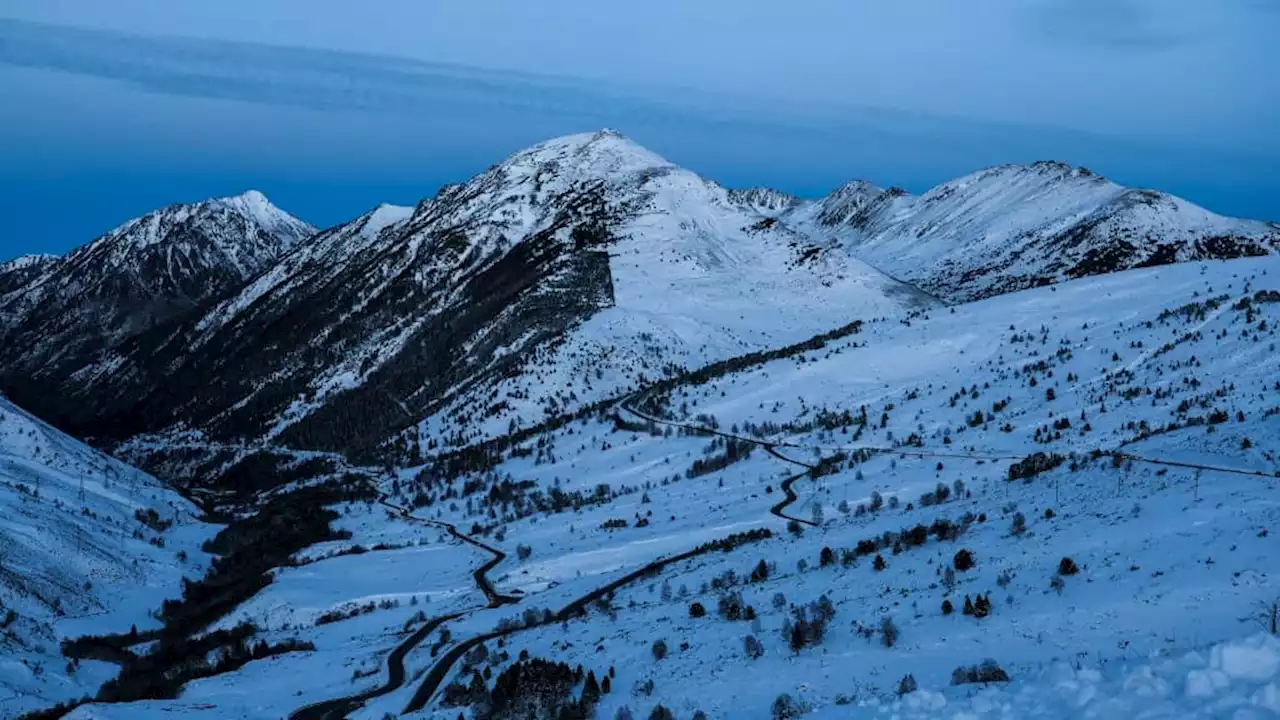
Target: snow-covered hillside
{"points": [[897, 473], [1017, 226], [87, 545]]}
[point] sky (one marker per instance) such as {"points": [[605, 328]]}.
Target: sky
{"points": [[330, 107]]}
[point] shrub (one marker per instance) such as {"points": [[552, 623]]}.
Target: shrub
{"points": [[963, 561], [888, 632], [524, 552], [752, 646], [696, 610], [907, 686], [879, 563], [1019, 525], [1057, 584], [784, 708], [1034, 464], [947, 608], [1067, 566], [826, 557], [659, 649], [730, 606], [661, 712], [987, 672]]}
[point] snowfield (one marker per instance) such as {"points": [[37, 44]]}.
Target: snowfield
{"points": [[1171, 542], [76, 557]]}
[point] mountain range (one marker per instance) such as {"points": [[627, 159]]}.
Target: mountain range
{"points": [[569, 273], [589, 432]]}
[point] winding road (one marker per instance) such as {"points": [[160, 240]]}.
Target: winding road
{"points": [[341, 707], [440, 670], [396, 674]]}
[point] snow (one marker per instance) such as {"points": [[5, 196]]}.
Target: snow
{"points": [[74, 559], [1173, 535], [1006, 227]]}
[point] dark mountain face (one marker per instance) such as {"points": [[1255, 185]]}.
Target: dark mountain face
{"points": [[371, 326], [61, 317]]}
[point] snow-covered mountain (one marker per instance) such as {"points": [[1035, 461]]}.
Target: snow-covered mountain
{"points": [[765, 201], [561, 276], [1075, 483], [1068, 481], [58, 314], [23, 271], [87, 545], [568, 273], [1018, 226]]}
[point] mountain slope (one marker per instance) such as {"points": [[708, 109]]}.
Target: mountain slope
{"points": [[71, 309], [1171, 541], [87, 545], [558, 277], [1017, 226]]}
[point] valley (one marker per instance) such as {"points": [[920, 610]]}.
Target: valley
{"points": [[592, 434]]}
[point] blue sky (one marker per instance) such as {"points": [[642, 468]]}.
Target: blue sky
{"points": [[330, 107]]}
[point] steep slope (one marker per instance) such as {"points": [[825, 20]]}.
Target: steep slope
{"points": [[60, 314], [765, 201], [21, 272], [1018, 226], [561, 276], [87, 544]]}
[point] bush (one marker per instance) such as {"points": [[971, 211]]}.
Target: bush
{"points": [[1067, 566], [963, 561], [661, 713], [1019, 525], [947, 608], [784, 708], [1057, 584], [752, 646], [907, 686], [696, 610], [879, 563], [1034, 464], [808, 625], [888, 632], [730, 606], [987, 672], [659, 649]]}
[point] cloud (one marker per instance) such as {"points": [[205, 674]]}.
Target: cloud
{"points": [[1129, 25]]}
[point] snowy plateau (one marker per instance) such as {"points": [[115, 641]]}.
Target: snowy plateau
{"points": [[589, 435]]}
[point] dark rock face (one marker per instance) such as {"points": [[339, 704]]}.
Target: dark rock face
{"points": [[360, 333], [64, 314]]}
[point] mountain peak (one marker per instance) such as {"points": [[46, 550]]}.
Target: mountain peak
{"points": [[605, 151], [255, 206], [846, 202]]}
